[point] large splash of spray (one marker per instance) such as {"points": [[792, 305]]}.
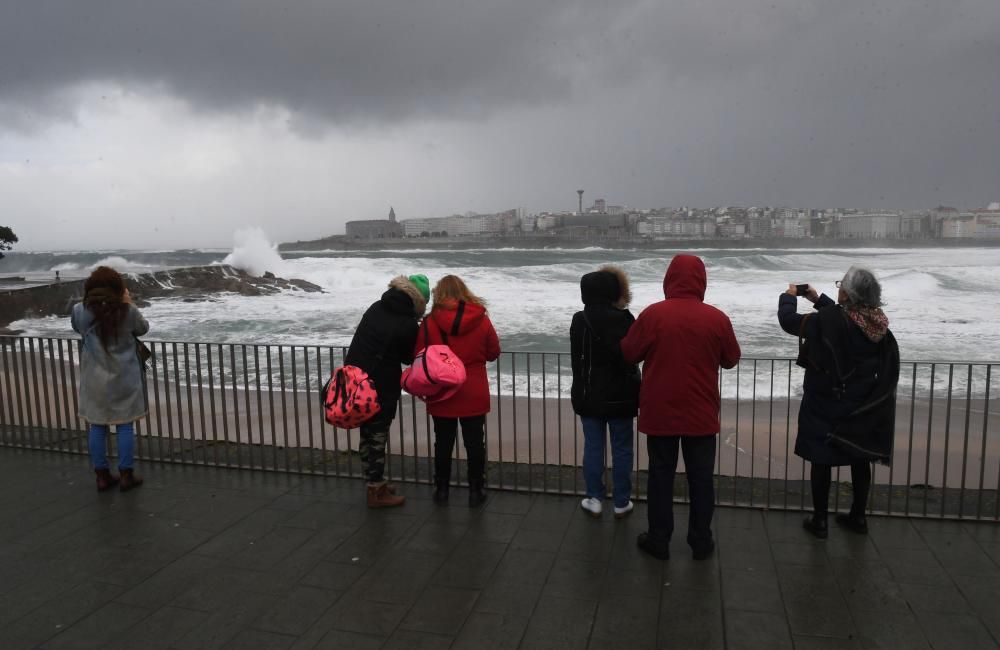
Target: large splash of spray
{"points": [[254, 253]]}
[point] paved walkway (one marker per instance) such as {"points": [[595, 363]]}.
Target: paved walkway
{"points": [[213, 558]]}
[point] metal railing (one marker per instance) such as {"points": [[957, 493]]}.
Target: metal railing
{"points": [[256, 406]]}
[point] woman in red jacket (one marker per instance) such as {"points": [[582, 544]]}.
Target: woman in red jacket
{"points": [[459, 320]]}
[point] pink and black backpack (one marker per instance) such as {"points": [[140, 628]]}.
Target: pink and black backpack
{"points": [[349, 398]]}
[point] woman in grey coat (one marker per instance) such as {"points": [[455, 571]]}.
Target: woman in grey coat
{"points": [[112, 381]]}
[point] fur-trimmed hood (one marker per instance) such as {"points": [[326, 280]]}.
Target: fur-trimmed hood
{"points": [[402, 283], [624, 288], [607, 286]]}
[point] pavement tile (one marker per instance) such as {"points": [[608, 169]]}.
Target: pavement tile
{"points": [[485, 631], [440, 610], [958, 631], [691, 618], [753, 630]]}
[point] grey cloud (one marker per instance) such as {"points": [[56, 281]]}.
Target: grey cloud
{"points": [[375, 60]]}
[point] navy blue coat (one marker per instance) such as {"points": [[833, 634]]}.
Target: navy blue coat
{"points": [[821, 408]]}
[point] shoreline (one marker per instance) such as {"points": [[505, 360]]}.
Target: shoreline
{"points": [[338, 244]]}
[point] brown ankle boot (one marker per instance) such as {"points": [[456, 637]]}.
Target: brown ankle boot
{"points": [[380, 497], [129, 480], [105, 479]]}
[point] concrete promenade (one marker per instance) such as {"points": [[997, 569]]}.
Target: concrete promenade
{"points": [[216, 558]]}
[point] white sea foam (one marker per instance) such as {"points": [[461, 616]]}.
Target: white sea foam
{"points": [[940, 300], [254, 253]]}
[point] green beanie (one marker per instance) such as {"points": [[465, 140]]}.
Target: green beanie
{"points": [[421, 282]]}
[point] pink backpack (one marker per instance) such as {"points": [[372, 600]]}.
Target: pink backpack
{"points": [[436, 374], [349, 398]]}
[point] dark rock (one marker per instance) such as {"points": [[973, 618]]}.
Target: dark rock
{"points": [[193, 284], [268, 275]]}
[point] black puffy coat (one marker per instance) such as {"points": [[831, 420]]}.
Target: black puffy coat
{"points": [[829, 423], [604, 385], [384, 340]]}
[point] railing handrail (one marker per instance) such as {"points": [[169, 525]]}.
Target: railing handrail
{"points": [[964, 362]]}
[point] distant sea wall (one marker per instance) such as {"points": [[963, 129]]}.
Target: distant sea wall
{"points": [[340, 243], [194, 283]]}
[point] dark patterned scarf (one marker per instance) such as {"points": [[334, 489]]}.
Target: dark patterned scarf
{"points": [[872, 321]]}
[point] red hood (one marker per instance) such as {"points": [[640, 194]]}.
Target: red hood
{"points": [[444, 316], [685, 278]]}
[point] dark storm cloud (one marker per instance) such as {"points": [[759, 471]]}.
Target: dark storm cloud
{"points": [[869, 102], [385, 60]]}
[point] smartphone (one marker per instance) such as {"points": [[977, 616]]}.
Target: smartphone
{"points": [[801, 289]]}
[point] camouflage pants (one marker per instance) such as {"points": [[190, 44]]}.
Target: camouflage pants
{"points": [[372, 449]]}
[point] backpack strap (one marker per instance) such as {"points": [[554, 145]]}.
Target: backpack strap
{"points": [[458, 318], [590, 326]]}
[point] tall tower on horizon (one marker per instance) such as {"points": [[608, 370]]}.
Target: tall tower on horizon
{"points": [[579, 194], [392, 214]]}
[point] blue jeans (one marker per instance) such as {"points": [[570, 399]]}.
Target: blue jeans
{"points": [[99, 448], [621, 457]]}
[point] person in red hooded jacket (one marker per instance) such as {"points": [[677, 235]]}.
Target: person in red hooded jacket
{"points": [[682, 341], [459, 320]]}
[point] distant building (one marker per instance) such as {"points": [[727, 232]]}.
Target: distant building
{"points": [[696, 227], [988, 222], [469, 224], [959, 225], [874, 225], [375, 228]]}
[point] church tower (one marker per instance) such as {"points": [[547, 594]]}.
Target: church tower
{"points": [[392, 214]]}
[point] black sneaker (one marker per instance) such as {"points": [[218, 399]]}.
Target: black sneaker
{"points": [[659, 551], [857, 524]]}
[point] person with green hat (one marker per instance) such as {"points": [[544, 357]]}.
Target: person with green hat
{"points": [[384, 340]]}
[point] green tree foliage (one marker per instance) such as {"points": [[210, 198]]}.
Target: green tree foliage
{"points": [[7, 239]]}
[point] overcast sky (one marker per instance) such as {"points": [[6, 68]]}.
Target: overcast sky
{"points": [[163, 124]]}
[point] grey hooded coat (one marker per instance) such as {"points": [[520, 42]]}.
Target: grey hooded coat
{"points": [[112, 381]]}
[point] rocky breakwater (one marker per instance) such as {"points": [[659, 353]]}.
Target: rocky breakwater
{"points": [[190, 284]]}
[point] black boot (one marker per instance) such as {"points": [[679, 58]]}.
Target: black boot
{"points": [[441, 494], [816, 524], [477, 495], [852, 522]]}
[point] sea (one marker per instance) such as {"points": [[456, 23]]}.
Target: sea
{"points": [[941, 302]]}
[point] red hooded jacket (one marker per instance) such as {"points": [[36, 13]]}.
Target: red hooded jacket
{"points": [[683, 342], [467, 330]]}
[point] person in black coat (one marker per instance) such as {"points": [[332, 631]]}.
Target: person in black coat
{"points": [[384, 340], [847, 413], [605, 391]]}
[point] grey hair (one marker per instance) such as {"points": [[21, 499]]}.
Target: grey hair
{"points": [[861, 287]]}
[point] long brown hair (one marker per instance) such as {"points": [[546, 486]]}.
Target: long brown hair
{"points": [[104, 296], [450, 289]]}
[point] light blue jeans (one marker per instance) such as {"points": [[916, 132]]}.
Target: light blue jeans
{"points": [[97, 441], [621, 457]]}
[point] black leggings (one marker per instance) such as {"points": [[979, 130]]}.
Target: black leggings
{"points": [[861, 481], [473, 435]]}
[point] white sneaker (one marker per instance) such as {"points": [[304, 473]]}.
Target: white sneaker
{"points": [[621, 513], [592, 506]]}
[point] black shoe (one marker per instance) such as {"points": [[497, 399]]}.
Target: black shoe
{"points": [[704, 553], [441, 495], [857, 524], [660, 552], [816, 525], [477, 496]]}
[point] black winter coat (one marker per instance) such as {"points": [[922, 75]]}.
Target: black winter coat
{"points": [[829, 407], [384, 340], [604, 385]]}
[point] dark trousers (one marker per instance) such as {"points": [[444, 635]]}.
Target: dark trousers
{"points": [[861, 481], [474, 437], [699, 461]]}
